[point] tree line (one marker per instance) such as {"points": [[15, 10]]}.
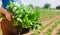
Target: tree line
{"points": [[46, 6]]}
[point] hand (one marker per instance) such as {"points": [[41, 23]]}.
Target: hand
{"points": [[8, 16]]}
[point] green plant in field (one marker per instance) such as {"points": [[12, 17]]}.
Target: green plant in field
{"points": [[56, 23], [24, 16], [58, 32]]}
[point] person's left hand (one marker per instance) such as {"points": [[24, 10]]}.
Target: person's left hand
{"points": [[8, 16]]}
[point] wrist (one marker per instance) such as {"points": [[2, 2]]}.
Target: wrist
{"points": [[6, 12]]}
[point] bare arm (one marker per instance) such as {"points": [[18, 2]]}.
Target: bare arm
{"points": [[7, 14], [3, 11]]}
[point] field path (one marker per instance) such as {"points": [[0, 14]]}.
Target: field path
{"points": [[46, 29], [50, 26], [56, 30], [30, 33], [50, 20]]}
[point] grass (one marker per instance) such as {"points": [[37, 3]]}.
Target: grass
{"points": [[55, 22], [48, 14], [55, 25], [58, 32]]}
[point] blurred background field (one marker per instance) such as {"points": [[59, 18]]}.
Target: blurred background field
{"points": [[46, 14]]}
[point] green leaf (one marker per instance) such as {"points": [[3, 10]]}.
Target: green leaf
{"points": [[18, 19], [26, 16]]}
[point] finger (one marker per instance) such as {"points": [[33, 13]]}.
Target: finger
{"points": [[8, 18], [10, 13]]}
